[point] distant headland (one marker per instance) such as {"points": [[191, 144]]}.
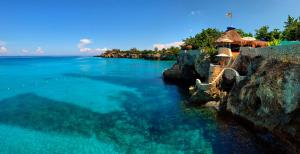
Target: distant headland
{"points": [[164, 54]]}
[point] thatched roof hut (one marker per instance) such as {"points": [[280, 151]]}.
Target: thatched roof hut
{"points": [[250, 41], [248, 38], [257, 43], [230, 37]]}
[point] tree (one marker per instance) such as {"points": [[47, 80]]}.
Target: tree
{"points": [[204, 40], [292, 29], [244, 34], [276, 34], [263, 34], [164, 50], [174, 50], [134, 50]]}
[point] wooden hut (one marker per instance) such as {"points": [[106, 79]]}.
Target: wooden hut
{"points": [[232, 39]]}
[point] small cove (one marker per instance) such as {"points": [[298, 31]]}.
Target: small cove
{"points": [[95, 105]]}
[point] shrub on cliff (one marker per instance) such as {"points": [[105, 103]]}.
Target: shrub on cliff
{"points": [[243, 33], [205, 40], [275, 42], [264, 34], [292, 29]]}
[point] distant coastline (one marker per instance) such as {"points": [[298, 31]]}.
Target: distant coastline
{"points": [[164, 54]]}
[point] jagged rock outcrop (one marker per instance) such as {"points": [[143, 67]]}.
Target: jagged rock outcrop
{"points": [[270, 98], [202, 64], [190, 66], [156, 56]]}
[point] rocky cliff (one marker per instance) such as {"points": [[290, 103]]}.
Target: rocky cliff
{"points": [[266, 93], [270, 98], [190, 66]]}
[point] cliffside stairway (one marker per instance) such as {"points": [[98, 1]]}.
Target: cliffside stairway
{"points": [[216, 73]]}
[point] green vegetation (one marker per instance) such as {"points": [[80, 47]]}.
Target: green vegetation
{"points": [[275, 42], [291, 32], [244, 34], [264, 34], [163, 54], [204, 41], [292, 29], [171, 50]]}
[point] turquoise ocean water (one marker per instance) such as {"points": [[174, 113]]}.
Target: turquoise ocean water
{"points": [[77, 105]]}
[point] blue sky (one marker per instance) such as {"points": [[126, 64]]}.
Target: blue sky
{"points": [[55, 27]]}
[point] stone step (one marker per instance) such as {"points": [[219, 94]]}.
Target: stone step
{"points": [[215, 70]]}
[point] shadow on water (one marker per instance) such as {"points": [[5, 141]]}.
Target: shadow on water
{"points": [[39, 113], [149, 119], [144, 124], [138, 127], [147, 123], [123, 81], [143, 85]]}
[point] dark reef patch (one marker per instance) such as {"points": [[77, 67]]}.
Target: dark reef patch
{"points": [[42, 114], [139, 126], [144, 124], [124, 81]]}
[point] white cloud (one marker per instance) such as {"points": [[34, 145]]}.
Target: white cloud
{"points": [[24, 51], [168, 45], [3, 49], [101, 49], [39, 50], [84, 42]]}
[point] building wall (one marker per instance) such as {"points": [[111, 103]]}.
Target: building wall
{"points": [[287, 53]]}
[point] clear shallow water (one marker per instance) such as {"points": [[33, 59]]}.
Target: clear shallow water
{"points": [[93, 105]]}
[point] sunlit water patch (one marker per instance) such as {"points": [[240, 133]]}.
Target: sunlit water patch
{"points": [[91, 105]]}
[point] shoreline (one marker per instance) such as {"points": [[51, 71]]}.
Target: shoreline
{"points": [[141, 58]]}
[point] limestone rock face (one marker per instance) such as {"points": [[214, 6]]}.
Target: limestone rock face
{"points": [[168, 57], [270, 98], [184, 69], [246, 65], [173, 74], [262, 88], [202, 64], [134, 56], [155, 56], [200, 98]]}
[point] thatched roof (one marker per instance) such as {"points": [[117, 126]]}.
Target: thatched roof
{"points": [[259, 43], [233, 37], [230, 36], [248, 39]]}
